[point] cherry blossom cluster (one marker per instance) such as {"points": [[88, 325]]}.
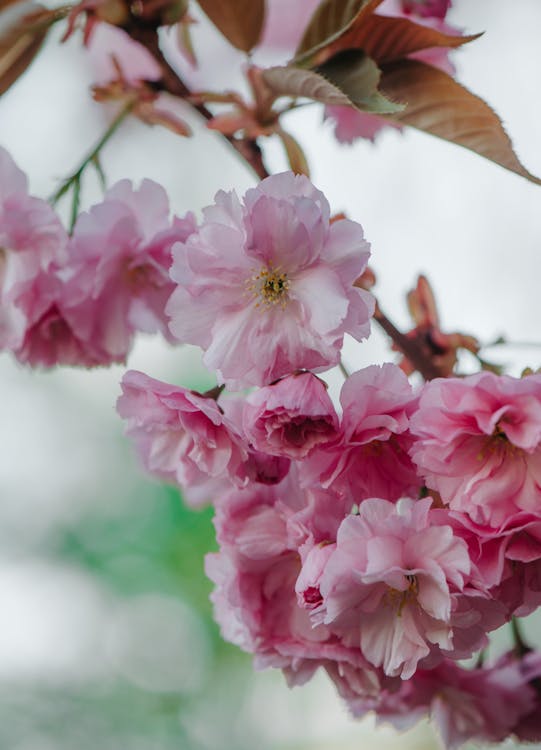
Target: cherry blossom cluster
{"points": [[79, 299], [380, 539]]}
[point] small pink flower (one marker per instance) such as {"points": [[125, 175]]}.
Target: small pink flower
{"points": [[371, 457], [180, 436], [291, 417], [32, 243], [390, 582], [266, 287], [479, 444], [120, 255]]}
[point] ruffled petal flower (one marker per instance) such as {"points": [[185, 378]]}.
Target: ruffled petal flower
{"points": [[256, 272]]}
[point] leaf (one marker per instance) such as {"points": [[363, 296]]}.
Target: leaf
{"points": [[387, 38], [295, 154], [350, 78], [6, 3], [358, 76], [330, 20], [240, 21], [439, 105], [290, 81], [20, 42]]}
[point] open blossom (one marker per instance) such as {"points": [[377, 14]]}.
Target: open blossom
{"points": [[371, 457], [390, 582], [479, 444], [265, 287], [291, 417], [180, 435], [32, 243], [254, 600], [120, 255]]}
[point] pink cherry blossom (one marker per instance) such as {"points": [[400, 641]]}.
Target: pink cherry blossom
{"points": [[479, 444], [482, 704], [266, 286], [371, 458], [120, 255], [180, 435], [390, 582], [291, 417], [32, 243], [254, 600]]}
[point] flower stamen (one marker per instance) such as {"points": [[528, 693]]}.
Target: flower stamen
{"points": [[269, 287]]}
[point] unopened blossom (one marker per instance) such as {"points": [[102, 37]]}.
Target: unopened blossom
{"points": [[180, 435], [32, 243], [120, 254], [291, 417], [265, 286], [479, 444], [371, 457], [390, 582]]}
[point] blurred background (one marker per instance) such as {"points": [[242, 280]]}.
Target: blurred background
{"points": [[106, 634]]}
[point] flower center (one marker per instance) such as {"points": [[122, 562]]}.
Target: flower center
{"points": [[498, 442], [270, 287], [398, 599]]}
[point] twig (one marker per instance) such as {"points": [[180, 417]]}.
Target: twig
{"points": [[412, 350], [74, 180], [174, 85]]}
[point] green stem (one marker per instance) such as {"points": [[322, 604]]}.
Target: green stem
{"points": [[521, 647], [74, 180], [343, 369]]}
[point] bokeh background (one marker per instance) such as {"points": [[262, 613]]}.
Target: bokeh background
{"points": [[106, 633]]}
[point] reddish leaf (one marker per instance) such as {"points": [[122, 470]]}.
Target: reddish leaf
{"points": [[20, 42], [439, 105], [240, 21], [6, 3], [330, 20], [295, 155], [388, 39]]}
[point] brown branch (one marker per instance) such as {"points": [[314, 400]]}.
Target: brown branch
{"points": [[411, 348], [174, 85]]}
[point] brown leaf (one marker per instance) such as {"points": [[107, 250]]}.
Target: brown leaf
{"points": [[240, 21], [330, 20], [295, 155], [20, 42], [439, 105], [6, 3], [388, 39]]}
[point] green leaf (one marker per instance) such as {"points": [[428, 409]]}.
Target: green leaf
{"points": [[439, 105], [331, 19], [240, 21], [291, 81], [358, 76]]}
